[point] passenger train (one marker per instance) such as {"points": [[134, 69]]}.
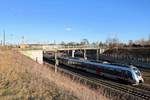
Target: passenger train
{"points": [[129, 74]]}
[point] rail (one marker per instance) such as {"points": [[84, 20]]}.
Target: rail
{"points": [[137, 93]]}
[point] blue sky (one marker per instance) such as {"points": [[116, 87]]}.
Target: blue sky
{"points": [[73, 20]]}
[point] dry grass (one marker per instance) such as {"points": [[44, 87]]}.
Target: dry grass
{"points": [[75, 87], [22, 78]]}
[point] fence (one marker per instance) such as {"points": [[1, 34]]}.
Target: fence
{"points": [[125, 59]]}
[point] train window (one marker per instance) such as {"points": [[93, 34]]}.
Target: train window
{"points": [[108, 71], [117, 72], [125, 74], [87, 65], [129, 74], [137, 71], [90, 66]]}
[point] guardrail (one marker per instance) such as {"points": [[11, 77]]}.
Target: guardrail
{"points": [[61, 47]]}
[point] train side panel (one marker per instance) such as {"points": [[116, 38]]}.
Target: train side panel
{"points": [[124, 74]]}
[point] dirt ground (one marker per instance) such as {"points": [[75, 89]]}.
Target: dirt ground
{"points": [[146, 75]]}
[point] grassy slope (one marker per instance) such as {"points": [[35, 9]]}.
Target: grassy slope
{"points": [[21, 78]]}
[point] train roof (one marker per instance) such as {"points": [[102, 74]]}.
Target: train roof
{"points": [[109, 65], [101, 64]]}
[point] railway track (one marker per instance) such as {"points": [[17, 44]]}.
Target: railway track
{"points": [[138, 92], [141, 94], [144, 87], [126, 89]]}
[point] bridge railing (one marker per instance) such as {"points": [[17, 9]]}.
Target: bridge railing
{"points": [[52, 47], [80, 46]]}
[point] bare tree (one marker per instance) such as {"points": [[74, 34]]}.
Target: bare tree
{"points": [[84, 42], [130, 43], [112, 42], [62, 43], [72, 43]]}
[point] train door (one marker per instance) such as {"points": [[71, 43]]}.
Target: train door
{"points": [[123, 74], [128, 76]]}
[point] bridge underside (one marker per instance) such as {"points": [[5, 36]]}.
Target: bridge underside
{"points": [[85, 52]]}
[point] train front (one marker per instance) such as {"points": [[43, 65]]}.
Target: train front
{"points": [[137, 75]]}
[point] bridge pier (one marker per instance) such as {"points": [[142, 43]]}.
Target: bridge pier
{"points": [[97, 54], [36, 55], [68, 52], [101, 51], [85, 57], [73, 51]]}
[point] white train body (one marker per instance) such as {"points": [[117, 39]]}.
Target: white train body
{"points": [[126, 73]]}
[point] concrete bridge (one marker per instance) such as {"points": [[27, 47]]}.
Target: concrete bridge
{"points": [[36, 52], [36, 55], [80, 47], [57, 48]]}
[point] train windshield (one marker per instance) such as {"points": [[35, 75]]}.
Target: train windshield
{"points": [[137, 71]]}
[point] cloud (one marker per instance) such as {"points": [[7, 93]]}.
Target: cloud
{"points": [[68, 29]]}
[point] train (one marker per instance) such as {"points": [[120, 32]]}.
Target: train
{"points": [[130, 73]]}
